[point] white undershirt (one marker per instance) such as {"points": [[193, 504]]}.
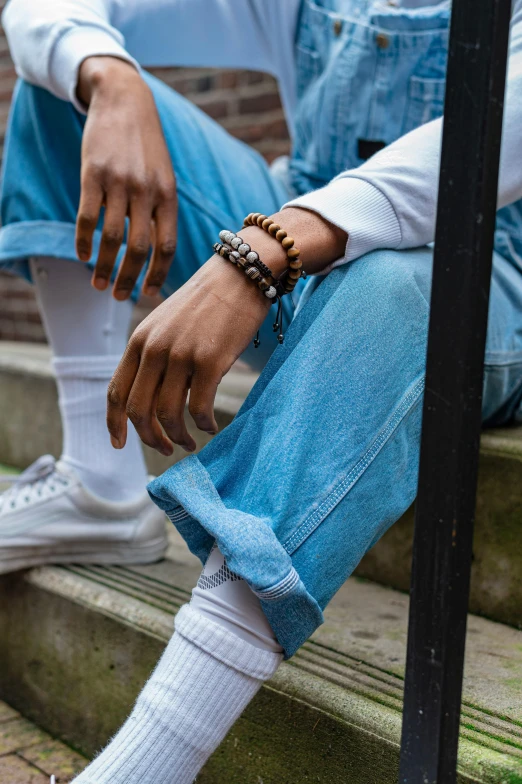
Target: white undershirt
{"points": [[388, 202]]}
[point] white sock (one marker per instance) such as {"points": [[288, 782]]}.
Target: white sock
{"points": [[224, 598], [203, 682], [87, 331], [113, 474]]}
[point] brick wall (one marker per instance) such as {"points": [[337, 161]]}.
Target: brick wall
{"points": [[246, 103]]}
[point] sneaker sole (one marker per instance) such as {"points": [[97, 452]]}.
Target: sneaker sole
{"points": [[113, 553]]}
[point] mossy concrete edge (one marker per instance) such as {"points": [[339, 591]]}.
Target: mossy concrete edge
{"points": [[73, 655]]}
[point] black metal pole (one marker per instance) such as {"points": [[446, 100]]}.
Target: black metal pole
{"points": [[452, 404]]}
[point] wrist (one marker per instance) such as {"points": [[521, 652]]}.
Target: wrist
{"points": [[320, 243], [99, 74], [229, 284]]}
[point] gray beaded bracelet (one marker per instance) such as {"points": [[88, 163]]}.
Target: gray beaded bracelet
{"points": [[244, 250], [241, 255], [250, 270]]}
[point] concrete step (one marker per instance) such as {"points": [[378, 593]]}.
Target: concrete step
{"points": [[30, 419], [29, 429], [76, 644]]}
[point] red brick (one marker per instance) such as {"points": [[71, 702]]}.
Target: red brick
{"points": [[260, 103], [7, 713], [215, 109], [228, 79], [14, 770], [254, 77], [19, 734], [53, 757]]}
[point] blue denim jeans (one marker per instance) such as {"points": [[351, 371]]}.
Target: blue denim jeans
{"points": [[323, 456], [322, 459]]}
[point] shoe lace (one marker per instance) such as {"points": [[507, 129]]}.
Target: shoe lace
{"points": [[40, 476]]}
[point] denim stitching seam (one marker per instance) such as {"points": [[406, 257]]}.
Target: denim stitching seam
{"points": [[175, 516], [333, 499], [280, 589], [284, 587]]}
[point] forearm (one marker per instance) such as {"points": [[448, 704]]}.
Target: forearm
{"points": [[320, 242]]}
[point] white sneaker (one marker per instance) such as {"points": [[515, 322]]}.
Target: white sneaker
{"points": [[47, 516]]}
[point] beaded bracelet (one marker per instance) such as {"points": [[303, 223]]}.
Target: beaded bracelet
{"points": [[258, 273], [295, 271], [249, 261], [244, 256]]}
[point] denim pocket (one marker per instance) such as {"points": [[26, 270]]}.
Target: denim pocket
{"points": [[425, 101]]}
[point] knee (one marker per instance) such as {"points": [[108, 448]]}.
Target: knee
{"points": [[392, 277]]}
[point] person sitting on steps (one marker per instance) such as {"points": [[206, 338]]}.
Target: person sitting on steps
{"points": [[103, 162]]}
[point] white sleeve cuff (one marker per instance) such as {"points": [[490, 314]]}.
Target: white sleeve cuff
{"points": [[360, 209], [72, 49]]}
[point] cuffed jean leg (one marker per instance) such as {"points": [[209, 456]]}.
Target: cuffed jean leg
{"points": [[323, 457]]}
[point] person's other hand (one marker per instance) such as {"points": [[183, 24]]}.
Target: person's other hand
{"points": [[187, 343], [127, 169]]}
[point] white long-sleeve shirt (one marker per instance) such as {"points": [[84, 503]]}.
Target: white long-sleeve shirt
{"points": [[387, 202]]}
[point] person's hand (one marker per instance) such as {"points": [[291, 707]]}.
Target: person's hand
{"points": [[187, 343], [193, 338], [127, 169]]}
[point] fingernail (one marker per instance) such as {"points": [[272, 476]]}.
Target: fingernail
{"points": [[188, 449], [115, 442], [83, 255], [121, 294], [100, 283], [151, 291]]}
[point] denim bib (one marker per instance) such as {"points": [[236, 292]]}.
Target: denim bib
{"points": [[367, 73]]}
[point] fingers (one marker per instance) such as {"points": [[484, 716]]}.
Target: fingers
{"points": [[118, 394], [137, 200], [170, 406], [111, 239], [203, 390], [91, 200], [165, 230], [141, 407], [138, 246]]}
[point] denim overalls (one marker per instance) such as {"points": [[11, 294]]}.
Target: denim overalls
{"points": [[323, 456], [365, 78], [363, 81]]}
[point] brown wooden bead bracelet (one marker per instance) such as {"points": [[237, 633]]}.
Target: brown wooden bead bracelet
{"points": [[295, 271]]}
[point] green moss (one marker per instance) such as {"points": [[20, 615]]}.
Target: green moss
{"points": [[513, 778], [488, 712], [490, 736], [8, 470]]}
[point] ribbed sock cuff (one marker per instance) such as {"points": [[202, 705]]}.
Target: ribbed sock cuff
{"points": [[225, 646], [101, 367]]}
